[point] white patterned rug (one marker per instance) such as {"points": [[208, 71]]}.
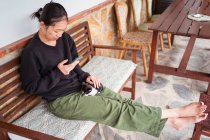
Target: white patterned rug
{"points": [[166, 91]]}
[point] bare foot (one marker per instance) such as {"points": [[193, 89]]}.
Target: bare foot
{"points": [[190, 110], [181, 123]]}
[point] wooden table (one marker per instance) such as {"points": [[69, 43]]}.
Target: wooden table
{"points": [[174, 20]]}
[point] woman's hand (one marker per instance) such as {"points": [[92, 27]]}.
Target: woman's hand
{"points": [[65, 69], [94, 81]]}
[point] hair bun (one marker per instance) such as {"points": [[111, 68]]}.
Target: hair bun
{"points": [[37, 13], [40, 11]]}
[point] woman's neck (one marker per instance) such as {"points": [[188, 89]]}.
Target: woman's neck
{"points": [[45, 40]]}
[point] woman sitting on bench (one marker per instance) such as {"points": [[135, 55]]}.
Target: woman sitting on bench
{"points": [[48, 69]]}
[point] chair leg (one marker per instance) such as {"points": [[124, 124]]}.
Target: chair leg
{"points": [[125, 54], [169, 40], [197, 132], [149, 49], [161, 41], [144, 60], [156, 57], [122, 52]]}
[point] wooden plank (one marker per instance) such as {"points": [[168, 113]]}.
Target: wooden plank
{"points": [[4, 90], [127, 89], [21, 131], [124, 84], [175, 25], [9, 76], [19, 44], [187, 74], [164, 15], [82, 32], [22, 108], [10, 107], [184, 28], [10, 97], [205, 30], [116, 48], [196, 26], [82, 39], [172, 17], [77, 28], [81, 46], [187, 53], [85, 51], [7, 66]]}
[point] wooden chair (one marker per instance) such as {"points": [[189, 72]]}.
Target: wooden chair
{"points": [[203, 128], [136, 39], [136, 6]]}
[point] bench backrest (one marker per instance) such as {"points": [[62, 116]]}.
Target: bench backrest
{"points": [[14, 102], [82, 38]]}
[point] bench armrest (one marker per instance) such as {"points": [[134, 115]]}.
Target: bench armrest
{"points": [[24, 132], [134, 50]]}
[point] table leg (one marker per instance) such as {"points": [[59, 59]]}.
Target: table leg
{"points": [[185, 59], [152, 56], [172, 39], [208, 90]]}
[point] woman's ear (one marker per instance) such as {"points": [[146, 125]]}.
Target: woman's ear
{"points": [[42, 25]]}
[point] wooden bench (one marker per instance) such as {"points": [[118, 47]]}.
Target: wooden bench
{"points": [[24, 114]]}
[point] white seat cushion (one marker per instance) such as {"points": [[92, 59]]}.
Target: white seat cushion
{"points": [[112, 73]]}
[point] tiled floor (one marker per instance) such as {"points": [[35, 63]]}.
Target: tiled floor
{"points": [[166, 91]]}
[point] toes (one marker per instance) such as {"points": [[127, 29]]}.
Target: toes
{"points": [[203, 116], [206, 115], [203, 108], [202, 103]]}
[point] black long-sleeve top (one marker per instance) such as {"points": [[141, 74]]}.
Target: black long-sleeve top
{"points": [[39, 73]]}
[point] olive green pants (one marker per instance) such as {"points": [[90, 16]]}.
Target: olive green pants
{"points": [[111, 109]]}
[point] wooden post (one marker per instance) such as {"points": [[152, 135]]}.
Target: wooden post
{"points": [[152, 56], [3, 133], [197, 132]]}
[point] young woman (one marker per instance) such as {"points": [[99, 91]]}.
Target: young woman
{"points": [[48, 70]]}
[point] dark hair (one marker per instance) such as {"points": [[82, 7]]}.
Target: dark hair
{"points": [[51, 13]]}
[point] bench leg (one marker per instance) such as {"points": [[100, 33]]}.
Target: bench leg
{"points": [[133, 90], [197, 132], [4, 135], [208, 90]]}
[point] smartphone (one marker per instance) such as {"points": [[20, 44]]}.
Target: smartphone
{"points": [[77, 59]]}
